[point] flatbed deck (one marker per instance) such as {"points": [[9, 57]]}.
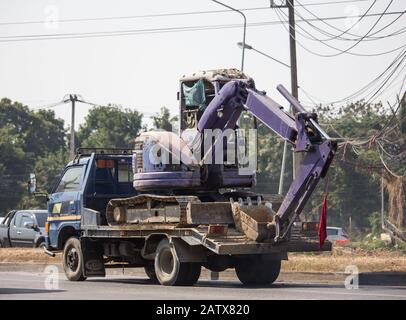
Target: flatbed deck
{"points": [[233, 243]]}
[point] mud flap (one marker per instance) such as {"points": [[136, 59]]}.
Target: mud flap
{"points": [[93, 265]]}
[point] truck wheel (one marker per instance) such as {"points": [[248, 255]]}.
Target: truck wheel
{"points": [[257, 271], [41, 245], [170, 271], [72, 260], [150, 271]]}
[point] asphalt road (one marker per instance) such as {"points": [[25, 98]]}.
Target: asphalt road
{"points": [[24, 285]]}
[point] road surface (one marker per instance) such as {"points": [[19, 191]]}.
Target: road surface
{"points": [[31, 285]]}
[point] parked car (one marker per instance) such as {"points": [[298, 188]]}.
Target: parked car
{"points": [[337, 235], [23, 228]]}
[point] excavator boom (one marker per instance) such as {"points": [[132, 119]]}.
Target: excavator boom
{"points": [[302, 131]]}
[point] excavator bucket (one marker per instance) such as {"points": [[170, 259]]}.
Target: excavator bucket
{"points": [[253, 221]]}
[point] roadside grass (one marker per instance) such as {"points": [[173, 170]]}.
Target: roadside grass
{"points": [[367, 257]]}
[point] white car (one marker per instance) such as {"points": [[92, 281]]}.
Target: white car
{"points": [[337, 235]]}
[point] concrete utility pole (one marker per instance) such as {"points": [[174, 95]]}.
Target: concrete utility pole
{"points": [[72, 98], [297, 158]]}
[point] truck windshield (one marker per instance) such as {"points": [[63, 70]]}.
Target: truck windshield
{"points": [[70, 180]]}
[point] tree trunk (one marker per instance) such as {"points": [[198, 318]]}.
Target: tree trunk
{"points": [[396, 204]]}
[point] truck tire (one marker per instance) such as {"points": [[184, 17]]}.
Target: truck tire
{"points": [[170, 271], [257, 271], [150, 271], [72, 260], [40, 244]]}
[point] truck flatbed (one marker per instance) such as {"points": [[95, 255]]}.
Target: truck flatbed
{"points": [[233, 243]]}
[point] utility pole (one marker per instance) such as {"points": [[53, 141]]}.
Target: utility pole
{"points": [[292, 45], [72, 98], [297, 157]]}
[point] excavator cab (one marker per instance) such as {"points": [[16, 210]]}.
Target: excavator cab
{"points": [[196, 92]]}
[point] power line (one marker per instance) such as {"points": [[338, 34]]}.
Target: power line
{"points": [[280, 14], [158, 15], [334, 27], [385, 75], [387, 79], [375, 80], [313, 38], [366, 34], [339, 36], [101, 34]]}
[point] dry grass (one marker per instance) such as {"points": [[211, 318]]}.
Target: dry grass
{"points": [[25, 255], [340, 258], [336, 261]]}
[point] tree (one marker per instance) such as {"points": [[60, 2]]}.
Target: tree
{"points": [[163, 120], [48, 170], [354, 176], [25, 137], [111, 127]]}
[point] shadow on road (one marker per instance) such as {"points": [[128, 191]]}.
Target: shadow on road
{"points": [[220, 284], [26, 291]]}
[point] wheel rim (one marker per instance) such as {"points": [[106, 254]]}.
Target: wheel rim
{"points": [[72, 259], [166, 262]]}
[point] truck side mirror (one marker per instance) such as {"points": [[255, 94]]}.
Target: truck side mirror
{"points": [[32, 183]]}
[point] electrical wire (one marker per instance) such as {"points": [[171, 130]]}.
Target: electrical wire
{"points": [[348, 29], [159, 15], [313, 38], [370, 37], [363, 37], [280, 14], [101, 34], [334, 27], [371, 83]]}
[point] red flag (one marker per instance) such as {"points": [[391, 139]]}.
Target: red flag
{"points": [[323, 222]]}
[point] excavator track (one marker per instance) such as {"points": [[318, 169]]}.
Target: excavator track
{"points": [[148, 208]]}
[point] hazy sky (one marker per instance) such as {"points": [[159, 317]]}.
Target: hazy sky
{"points": [[142, 70]]}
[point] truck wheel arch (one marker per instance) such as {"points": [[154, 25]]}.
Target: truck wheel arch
{"points": [[184, 251], [151, 244], [39, 241], [64, 234]]}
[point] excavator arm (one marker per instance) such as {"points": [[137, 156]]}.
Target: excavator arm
{"points": [[302, 131]]}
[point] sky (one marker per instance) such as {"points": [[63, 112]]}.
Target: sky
{"points": [[142, 71]]}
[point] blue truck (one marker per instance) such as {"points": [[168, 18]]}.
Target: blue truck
{"points": [[116, 208]]}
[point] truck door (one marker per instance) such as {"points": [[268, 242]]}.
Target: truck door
{"points": [[64, 205], [21, 236]]}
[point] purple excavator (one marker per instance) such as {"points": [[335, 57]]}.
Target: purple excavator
{"points": [[213, 101], [194, 205]]}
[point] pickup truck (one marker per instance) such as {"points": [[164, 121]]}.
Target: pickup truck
{"points": [[23, 228]]}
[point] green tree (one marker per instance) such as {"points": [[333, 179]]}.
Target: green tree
{"points": [[48, 170], [354, 176], [163, 120], [110, 126], [25, 137]]}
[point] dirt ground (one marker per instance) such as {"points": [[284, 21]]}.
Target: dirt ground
{"points": [[336, 261]]}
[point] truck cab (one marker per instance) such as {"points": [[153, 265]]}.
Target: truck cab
{"points": [[87, 183]]}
